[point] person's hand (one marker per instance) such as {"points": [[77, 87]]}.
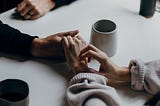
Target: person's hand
{"points": [[72, 48], [51, 46], [33, 9], [113, 72]]}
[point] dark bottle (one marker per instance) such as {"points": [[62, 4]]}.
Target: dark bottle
{"points": [[147, 8]]}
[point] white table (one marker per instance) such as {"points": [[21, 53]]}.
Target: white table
{"points": [[138, 37]]}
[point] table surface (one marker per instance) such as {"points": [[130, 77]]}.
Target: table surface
{"points": [[138, 37]]}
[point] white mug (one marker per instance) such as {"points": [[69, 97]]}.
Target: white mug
{"points": [[104, 36]]}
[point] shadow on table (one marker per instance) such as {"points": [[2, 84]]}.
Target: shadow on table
{"points": [[56, 64], [17, 16], [61, 68]]}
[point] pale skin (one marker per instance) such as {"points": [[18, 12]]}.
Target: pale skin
{"points": [[50, 46], [72, 47], [114, 73], [33, 9]]}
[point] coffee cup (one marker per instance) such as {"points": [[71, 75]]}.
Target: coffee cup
{"points": [[14, 92], [104, 36]]}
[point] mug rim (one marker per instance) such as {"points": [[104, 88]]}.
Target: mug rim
{"points": [[24, 85], [104, 33]]}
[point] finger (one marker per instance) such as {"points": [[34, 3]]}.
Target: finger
{"points": [[35, 16], [32, 12], [89, 47], [73, 33], [92, 54], [70, 41], [65, 46], [89, 53], [76, 40], [27, 16], [25, 10], [70, 33], [21, 5], [65, 43], [80, 38]]}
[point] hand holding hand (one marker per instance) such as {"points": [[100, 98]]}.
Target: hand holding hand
{"points": [[72, 47], [51, 46], [113, 72], [33, 9]]}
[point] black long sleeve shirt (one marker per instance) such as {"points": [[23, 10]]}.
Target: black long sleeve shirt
{"points": [[62, 2], [13, 41]]}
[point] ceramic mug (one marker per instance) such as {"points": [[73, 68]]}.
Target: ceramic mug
{"points": [[148, 7], [14, 92], [104, 36]]}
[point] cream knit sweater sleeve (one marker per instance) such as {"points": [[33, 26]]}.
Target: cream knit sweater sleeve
{"points": [[91, 87], [145, 76]]}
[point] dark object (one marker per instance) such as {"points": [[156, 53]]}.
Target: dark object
{"points": [[147, 8], [13, 96], [14, 42], [14, 92], [154, 100], [8, 4]]}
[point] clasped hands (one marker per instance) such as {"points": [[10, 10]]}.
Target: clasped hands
{"points": [[73, 48], [78, 53]]}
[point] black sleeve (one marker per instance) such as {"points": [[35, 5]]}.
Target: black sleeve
{"points": [[13, 41], [63, 2]]}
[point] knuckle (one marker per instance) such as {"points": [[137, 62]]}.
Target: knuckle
{"points": [[73, 45], [89, 45], [90, 51]]}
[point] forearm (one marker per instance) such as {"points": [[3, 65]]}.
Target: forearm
{"points": [[124, 74]]}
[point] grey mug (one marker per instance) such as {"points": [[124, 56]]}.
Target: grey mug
{"points": [[104, 36]]}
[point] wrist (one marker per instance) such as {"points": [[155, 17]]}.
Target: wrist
{"points": [[123, 74], [35, 49]]}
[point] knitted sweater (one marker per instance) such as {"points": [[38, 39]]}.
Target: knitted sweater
{"points": [[87, 89]]}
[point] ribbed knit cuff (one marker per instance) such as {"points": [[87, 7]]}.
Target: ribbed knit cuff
{"points": [[90, 77], [137, 74]]}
